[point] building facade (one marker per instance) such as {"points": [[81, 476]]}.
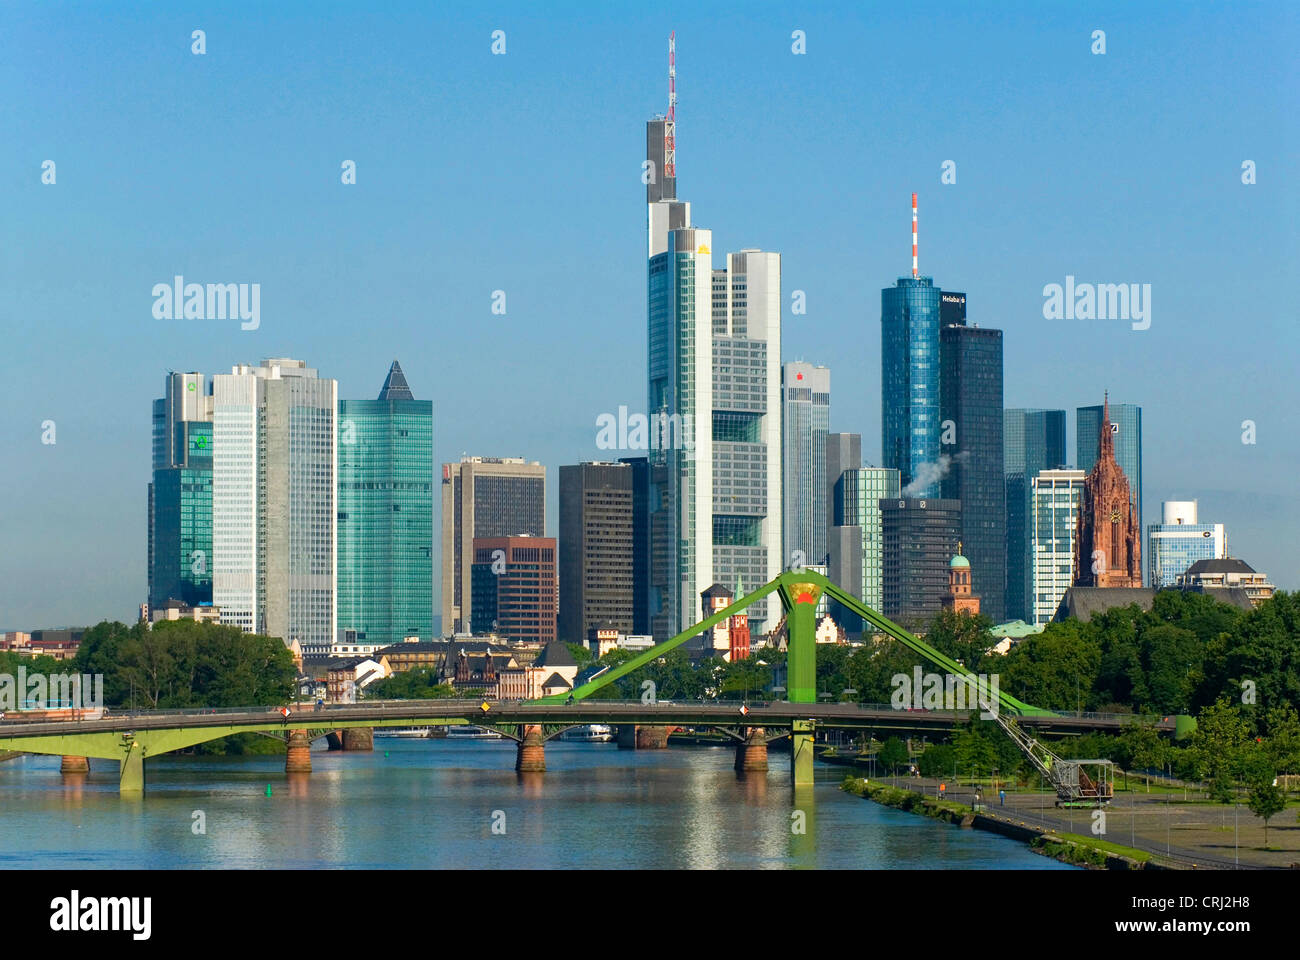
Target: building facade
{"points": [[919, 537], [909, 358], [1179, 541], [385, 515], [971, 435], [514, 588], [274, 507], [1055, 498], [1108, 541], [180, 494], [1125, 420], [640, 467], [1032, 441], [806, 422], [483, 497], [596, 543]]}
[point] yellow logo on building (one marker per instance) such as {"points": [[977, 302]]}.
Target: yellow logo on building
{"points": [[703, 249]]}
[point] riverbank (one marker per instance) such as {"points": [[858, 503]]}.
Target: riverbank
{"points": [[1074, 849]]}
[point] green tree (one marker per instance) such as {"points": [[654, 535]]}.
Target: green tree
{"points": [[961, 636], [893, 754], [1265, 801], [1142, 748], [938, 760], [581, 654], [1218, 743], [1055, 669]]}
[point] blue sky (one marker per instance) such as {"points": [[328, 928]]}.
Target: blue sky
{"points": [[521, 173]]}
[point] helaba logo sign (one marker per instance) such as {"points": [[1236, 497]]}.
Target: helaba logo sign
{"points": [[954, 298]]}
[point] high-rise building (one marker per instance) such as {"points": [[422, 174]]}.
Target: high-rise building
{"points": [[746, 427], [806, 423], [596, 543], [180, 494], [1032, 441], [971, 437], [1174, 545], [385, 515], [484, 497], [919, 538], [1055, 497], [860, 495], [513, 586], [640, 467], [1108, 541], [708, 327], [909, 364], [274, 506], [843, 535], [1126, 440]]}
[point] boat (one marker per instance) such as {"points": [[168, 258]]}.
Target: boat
{"points": [[405, 733], [471, 732], [589, 733]]}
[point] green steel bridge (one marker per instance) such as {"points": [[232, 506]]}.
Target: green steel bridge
{"points": [[130, 737]]}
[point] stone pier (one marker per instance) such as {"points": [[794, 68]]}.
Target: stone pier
{"points": [[625, 735], [531, 757], [751, 753], [74, 765], [651, 738], [298, 758], [359, 739]]}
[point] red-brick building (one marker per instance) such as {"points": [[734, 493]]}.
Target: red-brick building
{"points": [[1108, 541]]}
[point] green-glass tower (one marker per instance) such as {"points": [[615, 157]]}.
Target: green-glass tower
{"points": [[385, 520], [180, 494]]}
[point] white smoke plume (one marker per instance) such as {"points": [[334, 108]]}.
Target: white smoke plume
{"points": [[928, 474]]}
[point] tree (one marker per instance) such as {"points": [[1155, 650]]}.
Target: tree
{"points": [[1055, 669], [893, 754], [1142, 748], [1266, 800], [962, 636], [581, 654], [1221, 736], [938, 759]]}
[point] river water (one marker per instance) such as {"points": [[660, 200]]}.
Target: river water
{"points": [[459, 804]]}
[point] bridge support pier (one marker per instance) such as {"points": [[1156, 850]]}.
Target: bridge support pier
{"points": [[298, 757], [74, 765], [531, 756], [625, 735], [359, 739], [651, 738], [801, 752], [131, 772], [751, 753]]}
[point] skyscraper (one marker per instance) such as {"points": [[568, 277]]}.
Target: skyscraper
{"points": [[513, 584], [909, 362], [596, 562], [1033, 441], [385, 517], [1174, 545], [746, 426], [1108, 540], [640, 467], [180, 494], [1126, 439], [1055, 497], [971, 436], [806, 422], [483, 497], [274, 507], [919, 538], [843, 535]]}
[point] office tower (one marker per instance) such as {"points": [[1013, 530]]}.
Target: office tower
{"points": [[909, 361], [1174, 545], [1032, 441], [180, 494], [746, 427], [874, 486], [806, 423], [952, 309], [919, 538], [971, 436], [385, 517], [1126, 439], [1055, 497], [640, 467], [274, 507], [843, 535], [597, 535], [483, 497], [513, 588], [1108, 540]]}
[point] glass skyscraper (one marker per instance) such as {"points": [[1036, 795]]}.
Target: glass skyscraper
{"points": [[1179, 541], [1055, 499], [180, 495], [971, 434], [861, 491], [1032, 441], [1126, 430], [909, 359], [385, 514], [806, 423]]}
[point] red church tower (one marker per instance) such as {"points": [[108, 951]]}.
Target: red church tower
{"points": [[959, 598], [1107, 541]]}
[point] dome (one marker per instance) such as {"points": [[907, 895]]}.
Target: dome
{"points": [[959, 561]]}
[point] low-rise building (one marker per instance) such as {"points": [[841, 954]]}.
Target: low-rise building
{"points": [[1227, 574]]}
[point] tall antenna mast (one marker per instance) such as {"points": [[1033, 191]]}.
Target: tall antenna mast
{"points": [[670, 140], [914, 271]]}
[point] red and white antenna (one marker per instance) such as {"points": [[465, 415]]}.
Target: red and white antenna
{"points": [[670, 140], [914, 235]]}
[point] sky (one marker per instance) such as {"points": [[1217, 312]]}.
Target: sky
{"points": [[521, 172]]}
